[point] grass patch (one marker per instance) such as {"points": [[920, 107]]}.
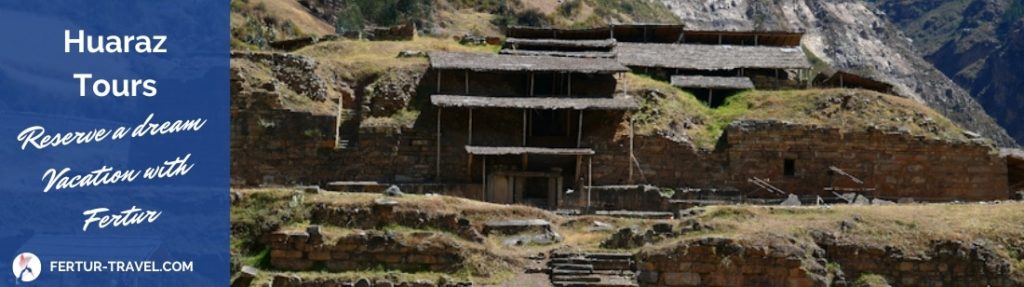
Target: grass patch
{"points": [[357, 59], [667, 110]]}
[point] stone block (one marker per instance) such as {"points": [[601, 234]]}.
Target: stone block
{"points": [[681, 279]]}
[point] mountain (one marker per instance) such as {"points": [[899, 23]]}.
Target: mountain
{"points": [[852, 35], [977, 43]]}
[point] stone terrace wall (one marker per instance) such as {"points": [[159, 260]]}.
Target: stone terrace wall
{"points": [[419, 251], [723, 262], [948, 263], [897, 165]]}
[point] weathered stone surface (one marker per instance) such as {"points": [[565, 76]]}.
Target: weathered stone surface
{"points": [[357, 251]]}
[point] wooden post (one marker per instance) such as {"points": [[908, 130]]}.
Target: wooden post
{"points": [[484, 175], [467, 82], [755, 40], [719, 38], [569, 85], [531, 84], [524, 127], [438, 81], [590, 178], [579, 131], [438, 159], [470, 140], [579, 169], [711, 96], [631, 148]]}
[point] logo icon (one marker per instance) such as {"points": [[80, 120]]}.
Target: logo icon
{"points": [[27, 267]]}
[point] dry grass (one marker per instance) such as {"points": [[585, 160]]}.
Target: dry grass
{"points": [[911, 228], [293, 11], [466, 21], [355, 59], [476, 211], [257, 74], [675, 112]]}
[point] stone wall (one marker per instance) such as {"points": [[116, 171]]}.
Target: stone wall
{"points": [[895, 165], [298, 281], [362, 250], [724, 262], [827, 262], [948, 263]]}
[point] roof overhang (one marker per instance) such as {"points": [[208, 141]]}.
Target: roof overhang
{"points": [[534, 103], [486, 150], [485, 62], [710, 82]]}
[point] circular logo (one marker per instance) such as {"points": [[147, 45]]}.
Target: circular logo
{"points": [[26, 267]]}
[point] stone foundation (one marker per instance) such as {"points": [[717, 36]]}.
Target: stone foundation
{"points": [[419, 251]]}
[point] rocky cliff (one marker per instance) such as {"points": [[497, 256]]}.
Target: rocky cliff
{"points": [[849, 35], [977, 43]]}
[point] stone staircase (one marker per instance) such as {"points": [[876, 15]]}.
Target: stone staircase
{"points": [[567, 269]]}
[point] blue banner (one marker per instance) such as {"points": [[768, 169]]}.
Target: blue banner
{"points": [[114, 133]]}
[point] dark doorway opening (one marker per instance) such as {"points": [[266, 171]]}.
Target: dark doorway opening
{"points": [[789, 167]]}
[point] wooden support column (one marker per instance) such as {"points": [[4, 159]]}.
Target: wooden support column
{"points": [[755, 40], [438, 143], [483, 163], [524, 127], [719, 38], [569, 85], [467, 82], [469, 141], [439, 81], [531, 84], [590, 178], [631, 156], [711, 96], [579, 131], [579, 170]]}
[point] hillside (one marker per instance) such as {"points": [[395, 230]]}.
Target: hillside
{"points": [[976, 43], [675, 113], [850, 35]]}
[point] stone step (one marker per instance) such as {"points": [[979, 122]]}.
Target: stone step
{"points": [[610, 256], [610, 282], [570, 271], [573, 267], [576, 278], [606, 256]]}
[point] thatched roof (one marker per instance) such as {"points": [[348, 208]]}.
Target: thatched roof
{"points": [[605, 44], [707, 82], [483, 150], [845, 79], [759, 38], [534, 103], [510, 63], [662, 33], [583, 54], [710, 57]]}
